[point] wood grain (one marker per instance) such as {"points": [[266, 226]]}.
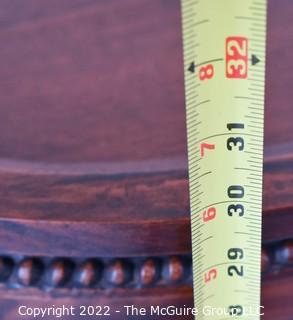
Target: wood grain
{"points": [[93, 145], [73, 74]]}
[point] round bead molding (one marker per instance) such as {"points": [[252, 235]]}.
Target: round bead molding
{"points": [[105, 273]]}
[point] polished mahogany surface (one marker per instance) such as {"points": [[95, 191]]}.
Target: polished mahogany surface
{"points": [[93, 158]]}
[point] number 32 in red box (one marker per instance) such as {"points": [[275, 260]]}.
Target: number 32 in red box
{"points": [[236, 57]]}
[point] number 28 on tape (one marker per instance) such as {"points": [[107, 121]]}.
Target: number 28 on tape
{"points": [[236, 57]]}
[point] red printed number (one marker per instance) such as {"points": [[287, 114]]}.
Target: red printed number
{"points": [[206, 72], [209, 214], [204, 146], [212, 274], [236, 57]]}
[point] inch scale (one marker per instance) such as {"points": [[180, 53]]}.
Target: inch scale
{"points": [[224, 64]]}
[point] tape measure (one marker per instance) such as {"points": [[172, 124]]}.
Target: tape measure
{"points": [[224, 62]]}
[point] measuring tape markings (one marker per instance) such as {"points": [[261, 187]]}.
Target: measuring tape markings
{"points": [[237, 106]]}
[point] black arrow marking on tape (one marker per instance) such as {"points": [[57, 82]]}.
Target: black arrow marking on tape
{"points": [[191, 68], [192, 65], [254, 59]]}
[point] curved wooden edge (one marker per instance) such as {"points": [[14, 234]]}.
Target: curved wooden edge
{"points": [[273, 154], [117, 239], [127, 215], [101, 169], [90, 239], [153, 196]]}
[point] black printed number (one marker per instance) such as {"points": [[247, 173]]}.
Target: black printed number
{"points": [[234, 209], [234, 142]]}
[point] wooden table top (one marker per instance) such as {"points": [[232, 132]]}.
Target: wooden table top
{"points": [[93, 160], [92, 123]]}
